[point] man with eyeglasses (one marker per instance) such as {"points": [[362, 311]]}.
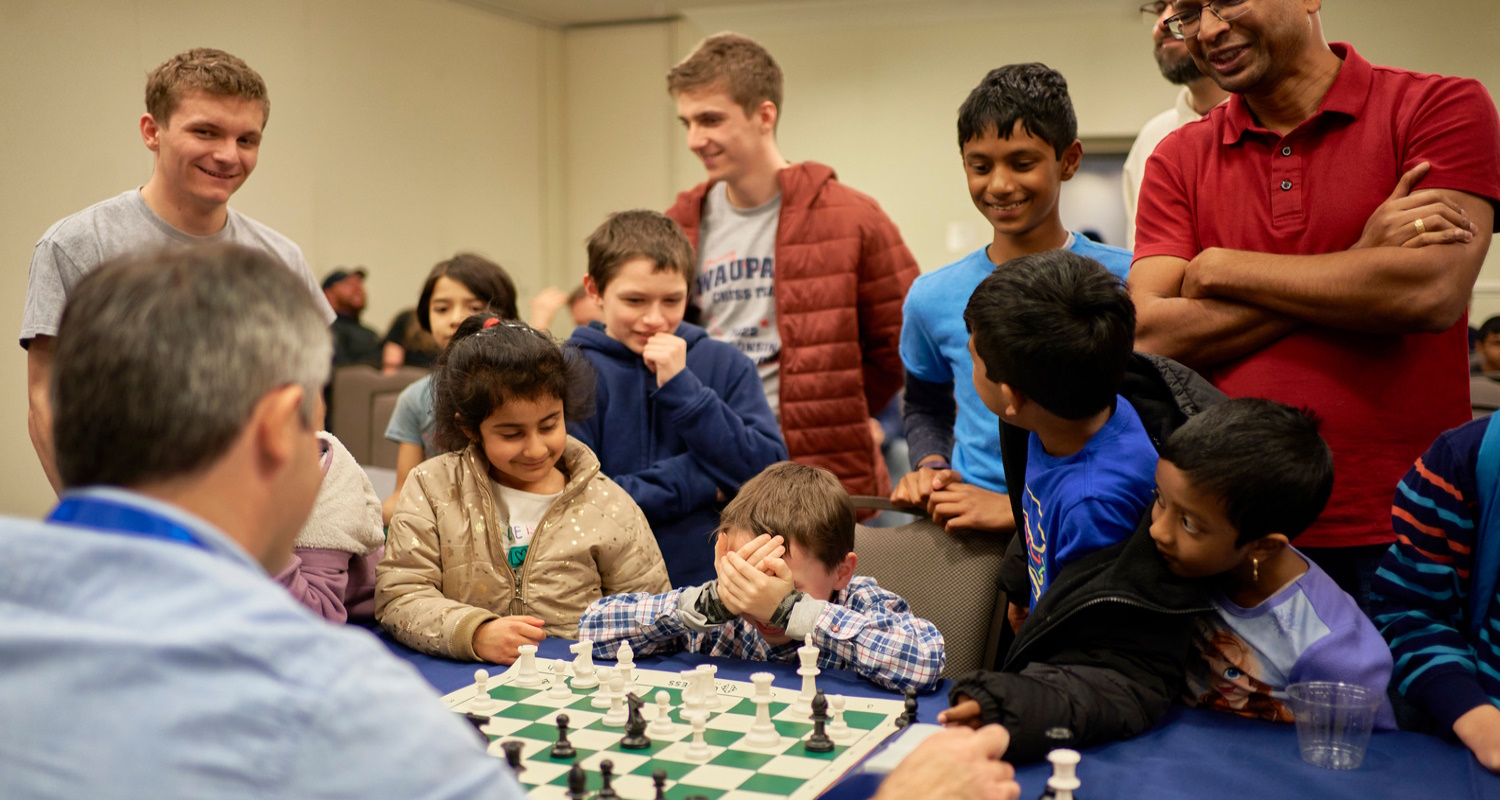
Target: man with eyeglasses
{"points": [[1315, 240], [1198, 94]]}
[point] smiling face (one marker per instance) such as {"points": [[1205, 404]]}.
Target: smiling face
{"points": [[1253, 52], [641, 301], [1015, 182], [451, 303], [729, 142], [1190, 528], [522, 440], [207, 149], [1172, 55]]}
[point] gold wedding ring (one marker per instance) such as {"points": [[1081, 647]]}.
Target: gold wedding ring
{"points": [[1420, 227]]}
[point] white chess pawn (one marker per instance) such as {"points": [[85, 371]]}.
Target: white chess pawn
{"points": [[697, 749], [809, 672], [662, 725], [709, 691], [526, 674], [839, 730], [559, 689], [762, 731], [617, 715], [482, 701], [584, 676], [601, 697]]}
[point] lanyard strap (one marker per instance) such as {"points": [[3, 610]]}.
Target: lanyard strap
{"points": [[111, 517]]}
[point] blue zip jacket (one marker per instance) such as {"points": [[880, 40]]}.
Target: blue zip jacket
{"points": [[673, 448]]}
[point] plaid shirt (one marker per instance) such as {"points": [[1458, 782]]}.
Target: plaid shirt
{"points": [[865, 628]]}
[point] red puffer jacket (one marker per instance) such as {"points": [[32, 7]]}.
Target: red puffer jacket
{"points": [[842, 273]]}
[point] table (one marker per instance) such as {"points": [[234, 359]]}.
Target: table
{"points": [[1192, 755]]}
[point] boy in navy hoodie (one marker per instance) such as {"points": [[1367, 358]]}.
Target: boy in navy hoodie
{"points": [[681, 419]]}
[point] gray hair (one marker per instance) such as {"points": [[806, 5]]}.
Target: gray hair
{"points": [[161, 359]]}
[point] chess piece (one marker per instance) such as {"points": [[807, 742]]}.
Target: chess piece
{"points": [[625, 662], [616, 715], [482, 701], [662, 725], [601, 697], [578, 783], [1064, 780], [559, 689], [692, 698], [583, 664], [635, 725], [808, 654], [526, 674], [762, 731], [709, 691], [513, 748], [839, 730], [659, 778], [910, 714], [606, 775], [563, 748], [697, 749], [819, 742]]}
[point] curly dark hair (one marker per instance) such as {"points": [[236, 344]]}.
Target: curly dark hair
{"points": [[492, 360]]}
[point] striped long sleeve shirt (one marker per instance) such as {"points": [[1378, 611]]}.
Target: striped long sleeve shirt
{"points": [[1420, 596], [864, 628]]}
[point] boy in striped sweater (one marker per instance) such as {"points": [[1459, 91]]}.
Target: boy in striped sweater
{"points": [[1434, 598]]}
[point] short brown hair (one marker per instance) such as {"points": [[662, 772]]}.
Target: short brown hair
{"points": [[737, 63], [805, 506], [487, 280], [203, 69], [629, 235]]}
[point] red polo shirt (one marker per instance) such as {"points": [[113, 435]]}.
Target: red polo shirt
{"points": [[1225, 181]]}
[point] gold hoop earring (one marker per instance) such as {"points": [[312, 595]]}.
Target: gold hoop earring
{"points": [[1255, 570]]}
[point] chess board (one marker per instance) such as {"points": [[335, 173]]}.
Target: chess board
{"points": [[733, 771]]}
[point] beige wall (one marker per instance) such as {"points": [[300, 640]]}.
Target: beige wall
{"points": [[403, 130], [400, 132]]}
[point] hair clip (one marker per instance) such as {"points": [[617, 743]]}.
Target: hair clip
{"points": [[492, 321]]}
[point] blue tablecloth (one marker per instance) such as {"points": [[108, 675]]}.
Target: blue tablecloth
{"points": [[1193, 755]]}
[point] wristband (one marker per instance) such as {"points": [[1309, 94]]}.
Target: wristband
{"points": [[710, 606], [935, 463], [783, 612]]}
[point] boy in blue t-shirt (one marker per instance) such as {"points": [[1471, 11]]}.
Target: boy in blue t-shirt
{"points": [[1019, 140], [1051, 334]]}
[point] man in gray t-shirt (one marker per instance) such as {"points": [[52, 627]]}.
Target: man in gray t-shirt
{"points": [[205, 113]]}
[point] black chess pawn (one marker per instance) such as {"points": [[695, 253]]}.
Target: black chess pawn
{"points": [[659, 777], [819, 742], [606, 776], [563, 748], [578, 783], [635, 726], [910, 714], [512, 750]]}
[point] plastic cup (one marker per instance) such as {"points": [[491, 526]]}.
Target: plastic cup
{"points": [[1333, 722]]}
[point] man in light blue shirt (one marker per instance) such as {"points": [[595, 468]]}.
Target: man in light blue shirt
{"points": [[145, 651]]}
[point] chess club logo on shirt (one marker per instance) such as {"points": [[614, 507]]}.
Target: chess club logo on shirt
{"points": [[738, 299]]}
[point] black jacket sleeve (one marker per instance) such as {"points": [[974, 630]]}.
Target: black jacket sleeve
{"points": [[929, 411]]}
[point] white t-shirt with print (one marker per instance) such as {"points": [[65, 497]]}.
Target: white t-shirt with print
{"points": [[736, 276], [526, 512]]}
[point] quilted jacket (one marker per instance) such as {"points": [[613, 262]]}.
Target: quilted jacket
{"points": [[842, 273], [444, 572]]}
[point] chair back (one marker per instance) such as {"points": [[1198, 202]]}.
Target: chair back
{"points": [[360, 407]]}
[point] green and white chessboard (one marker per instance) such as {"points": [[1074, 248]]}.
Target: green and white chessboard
{"points": [[733, 771]]}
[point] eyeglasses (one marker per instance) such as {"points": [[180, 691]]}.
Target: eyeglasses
{"points": [[1189, 22], [1153, 10]]}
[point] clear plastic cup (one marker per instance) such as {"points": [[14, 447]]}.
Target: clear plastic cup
{"points": [[1333, 722]]}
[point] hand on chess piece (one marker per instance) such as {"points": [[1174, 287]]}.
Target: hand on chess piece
{"points": [[755, 592], [965, 712], [955, 762], [498, 639]]}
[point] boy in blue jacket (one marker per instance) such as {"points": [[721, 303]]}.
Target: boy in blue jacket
{"points": [[681, 419]]}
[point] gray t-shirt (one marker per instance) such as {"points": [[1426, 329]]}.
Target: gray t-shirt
{"points": [[736, 279], [124, 225]]}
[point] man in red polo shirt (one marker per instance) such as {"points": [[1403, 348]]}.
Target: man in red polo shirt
{"points": [[1315, 240]]}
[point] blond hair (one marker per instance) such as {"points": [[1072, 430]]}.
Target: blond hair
{"points": [[736, 63], [806, 506], [202, 69]]}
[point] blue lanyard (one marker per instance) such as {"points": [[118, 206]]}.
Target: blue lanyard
{"points": [[111, 517]]}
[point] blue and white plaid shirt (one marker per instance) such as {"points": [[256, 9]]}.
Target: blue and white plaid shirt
{"points": [[864, 628]]}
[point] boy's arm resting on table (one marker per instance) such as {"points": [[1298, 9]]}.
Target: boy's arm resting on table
{"points": [[318, 578], [929, 412], [1200, 333], [1368, 289], [409, 600], [732, 437], [875, 631], [652, 623], [886, 271], [39, 405]]}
